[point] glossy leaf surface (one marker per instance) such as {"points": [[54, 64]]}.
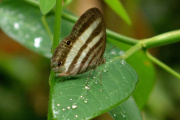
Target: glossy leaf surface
{"points": [[46, 5], [23, 24], [118, 78], [128, 110], [144, 69], [117, 7], [75, 97]]}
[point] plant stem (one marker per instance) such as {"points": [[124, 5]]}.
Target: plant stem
{"points": [[161, 64], [121, 38], [56, 38], [57, 25], [132, 50], [114, 35], [47, 27], [162, 39]]}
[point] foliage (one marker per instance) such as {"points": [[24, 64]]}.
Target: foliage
{"points": [[75, 97]]}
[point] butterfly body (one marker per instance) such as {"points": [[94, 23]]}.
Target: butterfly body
{"points": [[83, 49]]}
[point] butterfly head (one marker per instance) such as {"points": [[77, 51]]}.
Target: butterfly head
{"points": [[58, 60], [56, 66]]}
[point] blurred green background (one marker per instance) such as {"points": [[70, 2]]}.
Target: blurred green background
{"points": [[24, 74]]}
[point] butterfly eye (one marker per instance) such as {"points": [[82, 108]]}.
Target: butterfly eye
{"points": [[68, 42], [59, 63]]}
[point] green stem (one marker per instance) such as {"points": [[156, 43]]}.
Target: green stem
{"points": [[121, 38], [114, 35], [57, 25], [69, 17], [163, 39], [161, 64], [56, 38], [47, 27], [132, 50], [33, 2]]}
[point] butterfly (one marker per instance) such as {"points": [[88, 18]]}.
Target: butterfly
{"points": [[83, 49]]}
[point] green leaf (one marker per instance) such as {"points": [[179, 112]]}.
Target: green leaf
{"points": [[66, 3], [46, 5], [128, 110], [118, 78], [117, 7], [144, 69], [75, 97], [26, 26]]}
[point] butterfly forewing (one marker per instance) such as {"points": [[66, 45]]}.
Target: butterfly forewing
{"points": [[83, 49]]}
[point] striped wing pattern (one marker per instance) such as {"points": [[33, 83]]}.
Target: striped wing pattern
{"points": [[83, 49]]}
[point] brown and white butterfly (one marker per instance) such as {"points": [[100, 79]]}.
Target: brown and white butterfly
{"points": [[83, 49]]}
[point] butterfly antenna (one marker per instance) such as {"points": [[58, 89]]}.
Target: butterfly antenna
{"points": [[111, 49], [100, 75], [89, 75]]}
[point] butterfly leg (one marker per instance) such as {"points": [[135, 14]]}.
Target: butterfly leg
{"points": [[100, 75], [89, 75]]}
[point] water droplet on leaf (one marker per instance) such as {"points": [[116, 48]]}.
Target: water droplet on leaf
{"points": [[121, 53], [87, 87], [74, 106], [37, 41], [16, 25], [82, 97], [123, 62], [113, 52], [86, 101]]}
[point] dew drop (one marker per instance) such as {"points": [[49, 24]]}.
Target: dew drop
{"points": [[114, 115], [70, 99], [16, 25], [68, 107], [87, 87], [96, 82], [37, 41], [76, 116], [94, 77], [74, 106], [82, 97], [63, 109], [58, 104], [113, 52], [121, 53], [123, 62], [85, 93], [105, 70], [123, 115], [86, 101]]}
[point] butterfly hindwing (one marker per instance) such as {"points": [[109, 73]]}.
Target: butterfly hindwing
{"points": [[87, 44]]}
